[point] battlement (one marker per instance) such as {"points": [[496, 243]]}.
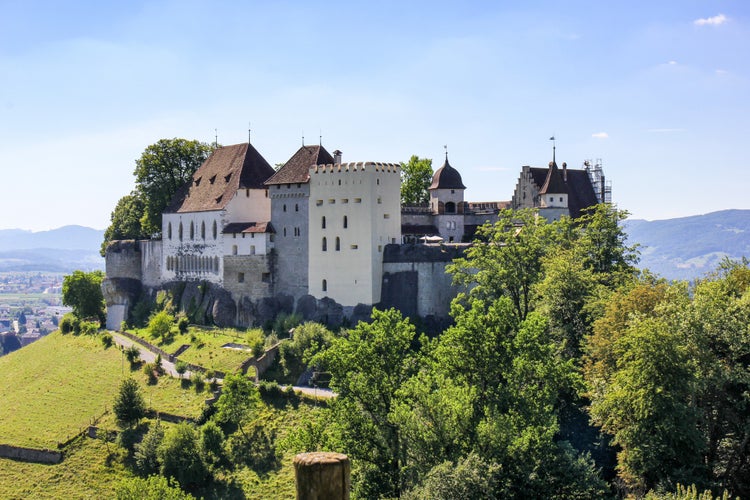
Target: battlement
{"points": [[360, 166]]}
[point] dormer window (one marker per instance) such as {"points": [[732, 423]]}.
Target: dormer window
{"points": [[227, 177], [197, 181], [212, 179]]}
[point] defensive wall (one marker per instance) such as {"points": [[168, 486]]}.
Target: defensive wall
{"points": [[414, 281]]}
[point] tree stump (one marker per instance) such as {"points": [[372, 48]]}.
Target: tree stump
{"points": [[322, 476]]}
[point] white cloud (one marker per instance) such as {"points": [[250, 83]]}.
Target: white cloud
{"points": [[600, 135], [711, 21]]}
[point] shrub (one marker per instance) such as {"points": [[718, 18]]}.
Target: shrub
{"points": [[127, 438], [180, 458], [256, 341], [180, 367], [284, 323], [197, 379], [146, 452], [150, 370], [107, 340], [141, 312], [133, 354], [182, 324], [90, 327], [152, 488], [211, 441], [257, 451], [70, 324], [129, 406], [160, 325]]}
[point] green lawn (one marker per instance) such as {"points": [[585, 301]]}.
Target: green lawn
{"points": [[205, 350], [56, 386]]}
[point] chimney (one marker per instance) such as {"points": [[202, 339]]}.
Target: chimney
{"points": [[565, 172], [337, 157]]}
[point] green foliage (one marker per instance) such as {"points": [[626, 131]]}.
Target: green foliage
{"points": [[308, 340], [180, 367], [196, 378], [416, 176], [70, 324], [107, 340], [285, 322], [141, 312], [254, 448], [129, 407], [146, 452], [211, 445], [125, 220], [256, 340], [182, 323], [470, 477], [160, 325], [367, 367], [238, 401], [161, 170], [151, 488], [179, 456], [687, 493], [133, 355], [83, 292]]}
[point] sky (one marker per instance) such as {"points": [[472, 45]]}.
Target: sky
{"points": [[659, 91]]}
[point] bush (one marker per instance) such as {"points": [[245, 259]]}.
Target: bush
{"points": [[141, 312], [256, 341], [183, 323], [160, 325], [127, 438], [129, 406], [153, 488], [70, 324], [257, 451], [197, 379], [180, 367], [180, 457], [146, 452], [89, 327], [107, 340], [149, 369], [132, 354], [211, 441], [284, 323]]}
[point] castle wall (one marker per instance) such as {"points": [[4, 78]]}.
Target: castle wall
{"points": [[360, 203], [123, 259], [151, 262], [415, 281], [249, 205], [289, 213], [192, 246], [248, 276]]}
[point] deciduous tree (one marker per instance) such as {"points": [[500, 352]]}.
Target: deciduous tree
{"points": [[416, 176], [83, 292]]}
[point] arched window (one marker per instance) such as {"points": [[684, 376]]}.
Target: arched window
{"points": [[325, 244], [346, 222], [203, 230], [325, 285], [192, 231], [180, 231], [285, 232], [169, 230], [323, 222], [296, 207], [234, 249], [338, 243], [284, 207], [214, 230], [450, 208]]}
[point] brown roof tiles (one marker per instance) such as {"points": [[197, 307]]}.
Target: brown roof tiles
{"points": [[297, 168]]}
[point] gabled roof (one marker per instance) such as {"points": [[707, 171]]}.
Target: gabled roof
{"points": [[447, 177], [554, 182], [215, 183], [297, 168], [580, 191], [248, 227]]}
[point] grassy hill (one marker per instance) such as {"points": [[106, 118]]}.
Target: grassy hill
{"points": [[55, 387]]}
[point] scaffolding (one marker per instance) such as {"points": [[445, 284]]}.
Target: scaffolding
{"points": [[602, 187]]}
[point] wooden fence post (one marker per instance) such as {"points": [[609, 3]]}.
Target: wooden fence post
{"points": [[322, 476]]}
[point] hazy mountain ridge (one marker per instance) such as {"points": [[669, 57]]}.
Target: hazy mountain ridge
{"points": [[689, 247], [59, 250]]}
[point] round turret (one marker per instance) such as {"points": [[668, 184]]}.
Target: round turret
{"points": [[447, 177]]}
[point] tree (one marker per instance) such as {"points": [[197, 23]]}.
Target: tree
{"points": [[162, 169], [129, 407], [160, 325], [83, 292], [238, 401], [125, 221], [179, 455], [146, 452], [211, 441], [367, 367], [416, 176], [152, 488]]}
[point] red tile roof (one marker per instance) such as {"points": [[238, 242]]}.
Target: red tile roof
{"points": [[215, 183], [297, 168], [248, 227]]}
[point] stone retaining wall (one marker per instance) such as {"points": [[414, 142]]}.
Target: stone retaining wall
{"points": [[30, 454]]}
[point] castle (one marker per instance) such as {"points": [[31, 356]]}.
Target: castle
{"points": [[321, 237]]}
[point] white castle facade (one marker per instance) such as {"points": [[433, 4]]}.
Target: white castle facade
{"points": [[319, 227]]}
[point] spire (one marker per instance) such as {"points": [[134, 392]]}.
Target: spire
{"points": [[248, 133], [553, 148]]}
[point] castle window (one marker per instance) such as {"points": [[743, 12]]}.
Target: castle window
{"points": [[346, 222], [203, 230], [386, 216], [298, 186], [450, 208], [284, 207], [378, 182], [561, 198], [380, 200], [289, 186], [331, 201], [339, 182], [285, 232], [265, 277], [323, 222], [325, 244], [247, 193], [169, 230], [296, 207], [551, 198], [252, 249], [192, 231], [380, 248], [318, 203], [325, 286], [240, 277], [344, 200], [453, 191], [234, 249], [180, 231], [354, 247], [214, 230], [338, 244], [357, 200]]}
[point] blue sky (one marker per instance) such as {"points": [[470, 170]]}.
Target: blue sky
{"points": [[660, 91]]}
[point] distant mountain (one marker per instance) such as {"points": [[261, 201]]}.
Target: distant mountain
{"points": [[59, 250], [689, 247]]}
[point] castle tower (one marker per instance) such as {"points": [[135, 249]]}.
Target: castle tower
{"points": [[447, 202]]}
